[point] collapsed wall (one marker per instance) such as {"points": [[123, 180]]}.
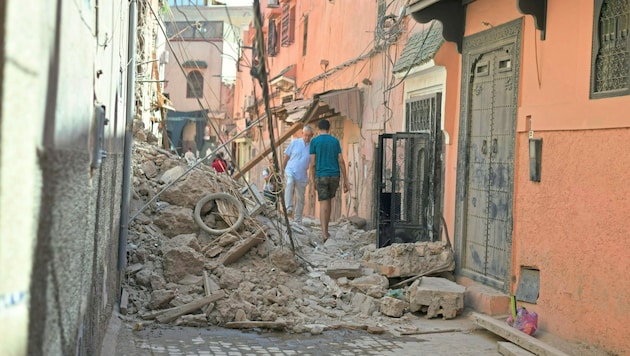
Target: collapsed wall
{"points": [[250, 276]]}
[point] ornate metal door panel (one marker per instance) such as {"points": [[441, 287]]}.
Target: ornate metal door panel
{"points": [[403, 188], [486, 155]]}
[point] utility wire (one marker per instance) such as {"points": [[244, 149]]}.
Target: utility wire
{"points": [[262, 78]]}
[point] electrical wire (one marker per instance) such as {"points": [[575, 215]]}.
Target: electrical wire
{"points": [[216, 131]]}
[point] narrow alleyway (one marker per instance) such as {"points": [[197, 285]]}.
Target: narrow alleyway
{"points": [[435, 337]]}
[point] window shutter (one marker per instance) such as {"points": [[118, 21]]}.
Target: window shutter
{"points": [[272, 39], [288, 24]]}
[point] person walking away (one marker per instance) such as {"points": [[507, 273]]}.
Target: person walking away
{"points": [[297, 158], [326, 167], [219, 163]]}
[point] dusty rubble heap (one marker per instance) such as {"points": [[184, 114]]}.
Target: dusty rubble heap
{"points": [[251, 277]]}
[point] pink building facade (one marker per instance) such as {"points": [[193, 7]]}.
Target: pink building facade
{"points": [[526, 104]]}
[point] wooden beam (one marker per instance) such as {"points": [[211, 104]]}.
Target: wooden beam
{"points": [[174, 313], [316, 109], [516, 336], [509, 349], [263, 154]]}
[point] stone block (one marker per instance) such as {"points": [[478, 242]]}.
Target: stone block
{"points": [[393, 307], [410, 259], [436, 296], [338, 269]]}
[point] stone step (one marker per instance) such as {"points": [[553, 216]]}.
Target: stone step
{"points": [[484, 299]]}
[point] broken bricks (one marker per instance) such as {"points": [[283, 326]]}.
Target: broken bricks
{"points": [[261, 285]]}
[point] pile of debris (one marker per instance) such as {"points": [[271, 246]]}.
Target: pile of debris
{"points": [[256, 275]]}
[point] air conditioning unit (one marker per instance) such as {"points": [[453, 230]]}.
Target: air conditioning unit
{"points": [[273, 3]]}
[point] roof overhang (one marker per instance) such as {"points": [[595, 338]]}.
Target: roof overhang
{"points": [[451, 13], [285, 80], [283, 83], [345, 102]]}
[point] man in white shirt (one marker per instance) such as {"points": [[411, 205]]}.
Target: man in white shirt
{"points": [[295, 165]]}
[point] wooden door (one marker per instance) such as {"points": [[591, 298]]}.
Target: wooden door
{"points": [[486, 162]]}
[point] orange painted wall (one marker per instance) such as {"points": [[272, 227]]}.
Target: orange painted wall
{"points": [[335, 36], [448, 57], [573, 225]]}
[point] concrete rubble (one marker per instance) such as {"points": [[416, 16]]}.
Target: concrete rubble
{"points": [[250, 277]]}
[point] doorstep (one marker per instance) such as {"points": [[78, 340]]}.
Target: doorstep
{"points": [[484, 299]]}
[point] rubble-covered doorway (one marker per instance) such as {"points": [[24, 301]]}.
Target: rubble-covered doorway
{"points": [[405, 213], [485, 183]]}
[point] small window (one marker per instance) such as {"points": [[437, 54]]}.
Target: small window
{"points": [[273, 3], [194, 88], [305, 35]]}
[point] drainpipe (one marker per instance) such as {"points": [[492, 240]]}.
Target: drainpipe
{"points": [[129, 116]]}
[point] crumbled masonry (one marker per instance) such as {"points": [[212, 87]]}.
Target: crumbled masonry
{"points": [[250, 277]]}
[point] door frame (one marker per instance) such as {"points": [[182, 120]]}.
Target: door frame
{"points": [[474, 47]]}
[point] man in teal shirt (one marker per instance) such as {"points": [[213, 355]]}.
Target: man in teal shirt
{"points": [[327, 165]]}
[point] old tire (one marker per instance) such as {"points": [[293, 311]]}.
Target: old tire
{"points": [[219, 196]]}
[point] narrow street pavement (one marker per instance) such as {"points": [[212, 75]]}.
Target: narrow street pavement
{"points": [[434, 337]]}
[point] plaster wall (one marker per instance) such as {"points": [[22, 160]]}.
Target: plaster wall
{"points": [[23, 77], [448, 58], [58, 217], [572, 226]]}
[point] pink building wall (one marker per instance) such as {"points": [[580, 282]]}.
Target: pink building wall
{"points": [[573, 225], [176, 85]]}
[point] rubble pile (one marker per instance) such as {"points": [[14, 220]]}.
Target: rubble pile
{"points": [[256, 275]]}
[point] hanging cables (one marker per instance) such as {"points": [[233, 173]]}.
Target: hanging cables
{"points": [[265, 88]]}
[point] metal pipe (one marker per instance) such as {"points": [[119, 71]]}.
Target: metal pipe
{"points": [[129, 116]]}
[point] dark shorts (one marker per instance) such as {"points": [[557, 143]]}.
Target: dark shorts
{"points": [[326, 187]]}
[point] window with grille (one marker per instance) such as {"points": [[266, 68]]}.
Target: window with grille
{"points": [[423, 113], [288, 24], [610, 59], [194, 87]]}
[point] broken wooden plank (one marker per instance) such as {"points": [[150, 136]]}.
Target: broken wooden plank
{"points": [[238, 250], [176, 312], [254, 161], [153, 314], [516, 336], [124, 301], [277, 325], [509, 349], [441, 268], [349, 326], [209, 287]]}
